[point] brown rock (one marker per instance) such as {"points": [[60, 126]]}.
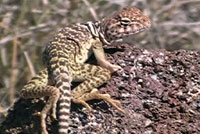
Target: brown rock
{"points": [[158, 89]]}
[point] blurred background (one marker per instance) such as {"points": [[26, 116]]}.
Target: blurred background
{"points": [[26, 26]]}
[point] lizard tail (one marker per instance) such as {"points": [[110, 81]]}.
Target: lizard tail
{"points": [[64, 84]]}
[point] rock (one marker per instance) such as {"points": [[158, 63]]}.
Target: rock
{"points": [[158, 89]]}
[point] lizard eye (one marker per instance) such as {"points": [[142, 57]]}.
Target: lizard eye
{"points": [[125, 21]]}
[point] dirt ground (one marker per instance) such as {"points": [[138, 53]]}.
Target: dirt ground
{"points": [[158, 89]]}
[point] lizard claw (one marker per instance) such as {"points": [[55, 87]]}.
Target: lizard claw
{"points": [[54, 116], [114, 68], [37, 114]]}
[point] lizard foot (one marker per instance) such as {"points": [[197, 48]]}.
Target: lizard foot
{"points": [[50, 105], [53, 114], [82, 102], [94, 94], [43, 124], [114, 103], [114, 68], [111, 67]]}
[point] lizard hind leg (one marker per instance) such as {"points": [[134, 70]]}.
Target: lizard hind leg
{"points": [[94, 76], [54, 94], [94, 94], [38, 87]]}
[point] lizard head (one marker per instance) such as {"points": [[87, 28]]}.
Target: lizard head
{"points": [[125, 22]]}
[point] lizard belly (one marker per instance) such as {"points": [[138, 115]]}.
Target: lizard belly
{"points": [[84, 54]]}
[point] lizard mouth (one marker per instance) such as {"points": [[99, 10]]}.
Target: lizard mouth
{"points": [[135, 32], [130, 35], [140, 30], [121, 34]]}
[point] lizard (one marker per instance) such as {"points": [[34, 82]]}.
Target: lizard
{"points": [[65, 56]]}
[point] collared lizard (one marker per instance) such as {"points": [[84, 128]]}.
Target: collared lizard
{"points": [[65, 57]]}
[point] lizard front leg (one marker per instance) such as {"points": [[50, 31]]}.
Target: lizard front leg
{"points": [[101, 58], [38, 87]]}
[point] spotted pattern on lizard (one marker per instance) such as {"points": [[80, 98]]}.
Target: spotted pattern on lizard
{"points": [[65, 57]]}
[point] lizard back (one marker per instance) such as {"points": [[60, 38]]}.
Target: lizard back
{"points": [[70, 46]]}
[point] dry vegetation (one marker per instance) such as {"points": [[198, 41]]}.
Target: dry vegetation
{"points": [[26, 26]]}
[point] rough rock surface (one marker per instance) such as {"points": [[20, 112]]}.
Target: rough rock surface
{"points": [[158, 89]]}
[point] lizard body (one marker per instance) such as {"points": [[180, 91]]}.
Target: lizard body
{"points": [[65, 57]]}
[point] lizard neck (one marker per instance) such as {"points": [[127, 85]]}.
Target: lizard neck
{"points": [[96, 31]]}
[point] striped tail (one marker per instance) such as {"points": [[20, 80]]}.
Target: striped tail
{"points": [[63, 84]]}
